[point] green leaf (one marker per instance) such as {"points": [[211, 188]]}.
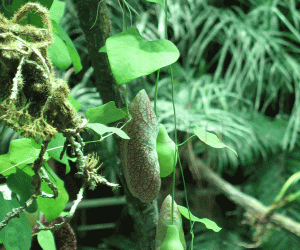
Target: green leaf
{"points": [[17, 234], [64, 214], [57, 11], [49, 207], [105, 114], [11, 9], [59, 53], [161, 3], [46, 240], [74, 103], [103, 49], [54, 149], [73, 54], [20, 183], [46, 3], [33, 17], [102, 129], [207, 222], [6, 168], [24, 151], [210, 139], [131, 56]]}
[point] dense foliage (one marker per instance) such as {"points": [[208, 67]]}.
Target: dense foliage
{"points": [[238, 76]]}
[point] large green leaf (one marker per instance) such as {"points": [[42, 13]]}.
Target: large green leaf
{"points": [[105, 114], [131, 56], [17, 234], [57, 11], [49, 207], [73, 54], [6, 168], [74, 103], [24, 151], [46, 240], [54, 149], [59, 53], [20, 183]]}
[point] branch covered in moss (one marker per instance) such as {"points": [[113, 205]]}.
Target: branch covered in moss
{"points": [[145, 216]]}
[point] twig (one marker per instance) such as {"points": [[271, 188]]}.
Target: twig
{"points": [[71, 213], [51, 185]]}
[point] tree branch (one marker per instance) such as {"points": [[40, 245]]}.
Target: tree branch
{"points": [[145, 216], [254, 208], [96, 26]]}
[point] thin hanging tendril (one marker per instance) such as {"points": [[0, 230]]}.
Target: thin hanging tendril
{"points": [[155, 95], [97, 13], [176, 152]]}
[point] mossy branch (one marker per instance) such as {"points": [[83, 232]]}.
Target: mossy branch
{"points": [[35, 103]]}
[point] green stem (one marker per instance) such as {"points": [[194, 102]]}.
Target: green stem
{"points": [[293, 196], [186, 140], [186, 200], [290, 182], [124, 16], [280, 203], [126, 98], [174, 111], [156, 87], [176, 152]]}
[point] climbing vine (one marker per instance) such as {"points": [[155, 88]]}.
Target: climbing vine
{"points": [[39, 107]]}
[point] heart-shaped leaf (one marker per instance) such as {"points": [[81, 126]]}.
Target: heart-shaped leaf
{"points": [[106, 113], [46, 240], [131, 56], [207, 222], [68, 46], [17, 234], [55, 148], [49, 207], [24, 151], [59, 53], [102, 129], [20, 183], [210, 139], [6, 168], [57, 11]]}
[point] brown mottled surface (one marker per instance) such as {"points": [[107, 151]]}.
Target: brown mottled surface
{"points": [[64, 237], [139, 157]]}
